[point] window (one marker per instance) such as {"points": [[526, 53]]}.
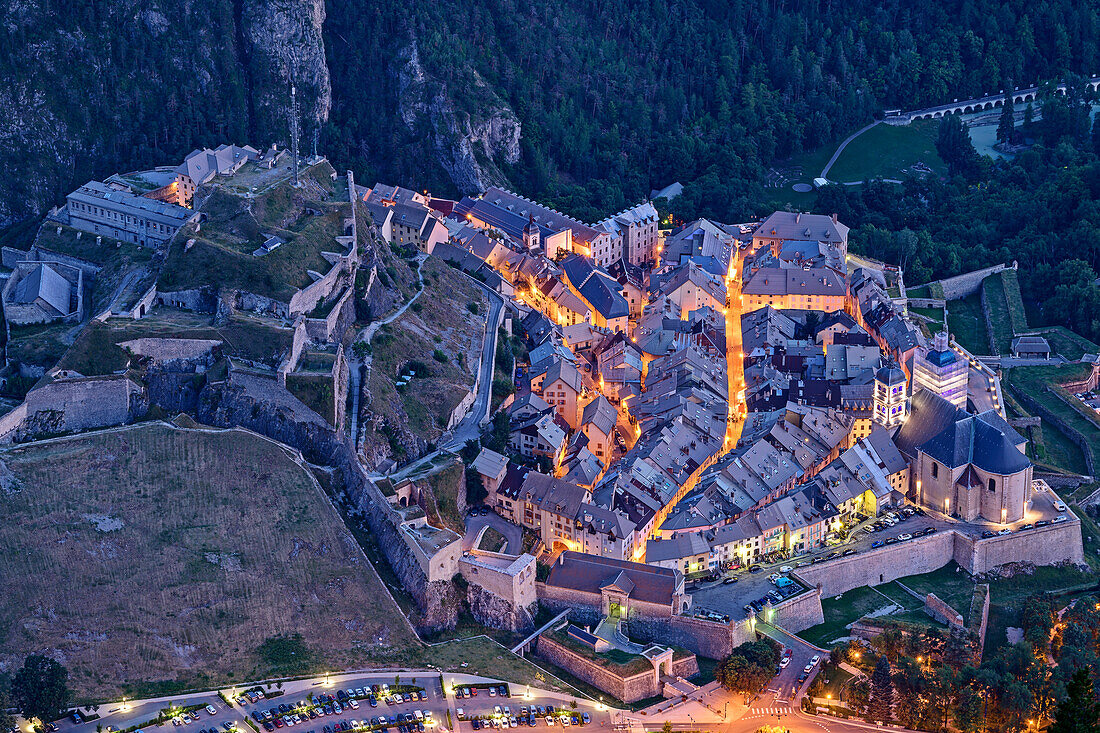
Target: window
{"points": [[935, 470], [992, 484]]}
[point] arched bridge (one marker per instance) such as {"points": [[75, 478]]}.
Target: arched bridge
{"points": [[991, 101]]}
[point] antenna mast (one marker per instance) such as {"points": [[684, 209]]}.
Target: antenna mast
{"points": [[294, 131]]}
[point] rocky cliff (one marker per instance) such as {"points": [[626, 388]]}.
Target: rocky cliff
{"points": [[92, 88], [467, 143]]}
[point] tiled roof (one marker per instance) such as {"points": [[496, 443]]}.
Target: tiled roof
{"points": [[591, 573]]}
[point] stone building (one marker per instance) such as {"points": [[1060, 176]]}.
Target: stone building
{"points": [[634, 233], [891, 405], [202, 166], [102, 209], [43, 292], [968, 466], [614, 588]]}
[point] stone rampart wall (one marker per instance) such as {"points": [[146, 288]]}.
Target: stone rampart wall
{"points": [[968, 283], [1050, 545], [78, 404], [800, 612], [1037, 407], [942, 611], [705, 638], [627, 689], [880, 565], [197, 300], [926, 302]]}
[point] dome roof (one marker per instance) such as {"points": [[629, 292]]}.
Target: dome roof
{"points": [[890, 374]]}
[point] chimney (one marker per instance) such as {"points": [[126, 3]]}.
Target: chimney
{"points": [[834, 219], [561, 558]]}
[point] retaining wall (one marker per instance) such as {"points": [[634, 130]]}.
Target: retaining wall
{"points": [[800, 612], [1050, 545], [968, 283], [942, 611], [880, 565], [627, 689]]}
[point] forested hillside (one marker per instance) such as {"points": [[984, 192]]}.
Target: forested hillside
{"points": [[1041, 208], [618, 98], [587, 105]]}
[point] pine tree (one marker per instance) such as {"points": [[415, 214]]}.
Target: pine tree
{"points": [[1006, 128], [1078, 711], [882, 692]]}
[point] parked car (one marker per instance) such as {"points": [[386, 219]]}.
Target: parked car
{"points": [[1059, 519], [904, 536], [877, 543]]}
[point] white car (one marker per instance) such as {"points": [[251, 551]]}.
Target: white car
{"points": [[550, 720], [786, 569], [814, 660], [784, 662], [1059, 519], [211, 709], [354, 705], [904, 536], [1060, 506], [773, 577], [1005, 531]]}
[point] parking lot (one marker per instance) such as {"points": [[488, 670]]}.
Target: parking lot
{"points": [[343, 703]]}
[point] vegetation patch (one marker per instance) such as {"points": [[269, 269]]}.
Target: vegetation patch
{"points": [[217, 541], [967, 324]]}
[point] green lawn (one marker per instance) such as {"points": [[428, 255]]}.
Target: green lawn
{"points": [[851, 606], [1034, 382], [967, 324], [96, 350], [951, 584], [220, 256], [993, 288], [886, 151]]}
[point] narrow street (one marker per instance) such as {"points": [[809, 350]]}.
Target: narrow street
{"points": [[735, 363]]}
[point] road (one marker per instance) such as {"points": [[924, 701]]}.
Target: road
{"points": [[511, 532], [844, 144], [470, 426]]}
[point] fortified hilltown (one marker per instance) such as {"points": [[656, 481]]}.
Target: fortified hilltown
{"points": [[363, 376]]}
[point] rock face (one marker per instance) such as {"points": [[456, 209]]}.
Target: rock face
{"points": [[284, 47], [467, 145], [126, 84], [496, 613]]}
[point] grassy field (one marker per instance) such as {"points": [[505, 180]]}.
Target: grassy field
{"points": [[1006, 308], [886, 151], [96, 351], [221, 256], [1034, 382], [156, 554], [315, 392], [967, 324], [842, 611], [39, 345], [492, 540], [446, 486]]}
